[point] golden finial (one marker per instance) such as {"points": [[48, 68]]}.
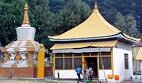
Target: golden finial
{"points": [[26, 18], [95, 7]]}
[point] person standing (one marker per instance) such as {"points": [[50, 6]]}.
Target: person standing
{"points": [[79, 72], [85, 74], [90, 72]]}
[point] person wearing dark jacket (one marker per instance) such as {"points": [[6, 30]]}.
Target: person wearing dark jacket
{"points": [[79, 72]]}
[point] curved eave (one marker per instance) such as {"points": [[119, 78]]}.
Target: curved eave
{"points": [[86, 39], [128, 38], [118, 36]]}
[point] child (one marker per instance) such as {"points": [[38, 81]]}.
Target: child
{"points": [[90, 72]]}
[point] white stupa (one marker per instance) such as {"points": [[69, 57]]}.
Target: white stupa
{"points": [[25, 48], [25, 32]]}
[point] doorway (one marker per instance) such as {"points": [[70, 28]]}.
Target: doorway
{"points": [[92, 62]]}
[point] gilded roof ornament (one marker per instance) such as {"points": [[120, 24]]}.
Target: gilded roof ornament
{"points": [[96, 7], [26, 18]]}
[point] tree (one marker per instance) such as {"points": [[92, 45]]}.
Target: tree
{"points": [[10, 18], [131, 24], [75, 12], [138, 14], [41, 19], [127, 24], [57, 5], [120, 22]]}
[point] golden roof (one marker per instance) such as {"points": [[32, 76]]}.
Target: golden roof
{"points": [[94, 26], [84, 44]]}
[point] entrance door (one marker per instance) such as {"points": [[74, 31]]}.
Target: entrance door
{"points": [[92, 62]]}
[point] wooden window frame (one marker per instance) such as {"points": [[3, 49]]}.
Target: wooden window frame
{"points": [[65, 57], [101, 56]]}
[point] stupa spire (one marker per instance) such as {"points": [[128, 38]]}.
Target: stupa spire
{"points": [[25, 18], [95, 7]]}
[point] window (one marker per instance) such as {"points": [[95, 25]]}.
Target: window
{"points": [[136, 67], [105, 60], [68, 61], [77, 55], [59, 63], [68, 55], [105, 54], [126, 61], [77, 62]]}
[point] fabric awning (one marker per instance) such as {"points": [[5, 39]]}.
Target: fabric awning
{"points": [[84, 44]]}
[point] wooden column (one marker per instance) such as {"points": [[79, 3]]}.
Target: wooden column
{"points": [[40, 64]]}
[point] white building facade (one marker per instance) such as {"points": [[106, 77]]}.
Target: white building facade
{"points": [[117, 65]]}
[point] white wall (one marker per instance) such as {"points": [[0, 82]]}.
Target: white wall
{"points": [[66, 74], [103, 74], [119, 66]]}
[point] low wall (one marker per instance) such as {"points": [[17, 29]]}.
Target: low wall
{"points": [[48, 72], [25, 72]]}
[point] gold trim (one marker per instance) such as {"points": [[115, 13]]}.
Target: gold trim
{"points": [[72, 60], [98, 66], [54, 64], [63, 61]]}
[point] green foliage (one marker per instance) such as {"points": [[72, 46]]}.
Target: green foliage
{"points": [[57, 5], [10, 17], [127, 24], [73, 13], [41, 19]]}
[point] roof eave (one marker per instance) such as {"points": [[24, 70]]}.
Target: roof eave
{"points": [[128, 38], [118, 35]]}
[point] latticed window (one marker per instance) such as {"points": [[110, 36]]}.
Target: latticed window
{"points": [[68, 63], [105, 60], [105, 63], [77, 62], [67, 60], [59, 63], [126, 61]]}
